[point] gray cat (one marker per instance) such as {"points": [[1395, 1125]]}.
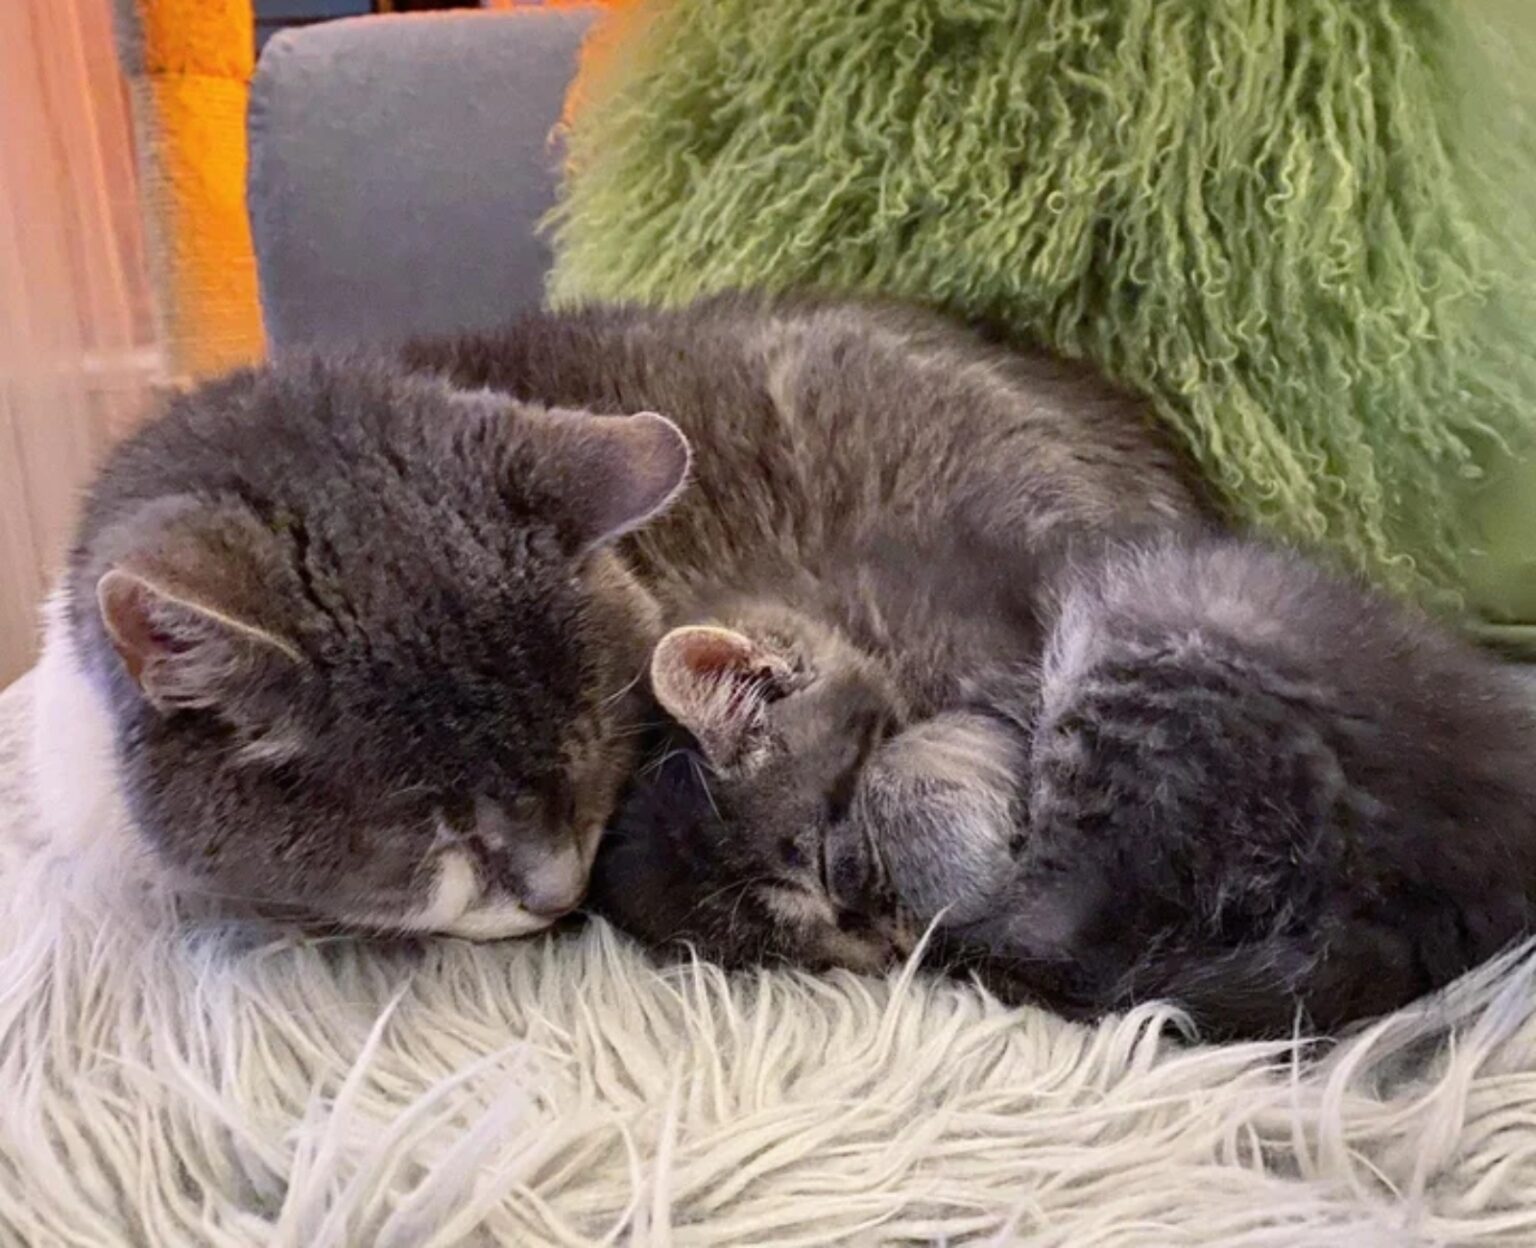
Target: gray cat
{"points": [[366, 637], [1225, 777], [363, 641]]}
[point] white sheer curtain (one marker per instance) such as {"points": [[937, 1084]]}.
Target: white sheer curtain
{"points": [[77, 350]]}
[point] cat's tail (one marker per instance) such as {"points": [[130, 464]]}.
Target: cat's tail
{"points": [[1280, 987], [1252, 991], [1313, 982], [1262, 990]]}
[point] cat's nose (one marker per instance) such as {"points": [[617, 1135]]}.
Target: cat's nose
{"points": [[553, 903], [555, 886], [544, 869]]}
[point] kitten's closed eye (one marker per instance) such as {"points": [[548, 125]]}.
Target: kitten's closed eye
{"points": [[792, 856]]}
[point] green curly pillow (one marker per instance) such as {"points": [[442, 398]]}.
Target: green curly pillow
{"points": [[1299, 226]]}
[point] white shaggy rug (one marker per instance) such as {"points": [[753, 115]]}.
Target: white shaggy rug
{"points": [[166, 1082]]}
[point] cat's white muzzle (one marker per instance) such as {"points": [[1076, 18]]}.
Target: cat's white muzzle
{"points": [[463, 903]]}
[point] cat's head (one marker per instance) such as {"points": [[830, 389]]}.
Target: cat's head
{"points": [[370, 651], [735, 837]]}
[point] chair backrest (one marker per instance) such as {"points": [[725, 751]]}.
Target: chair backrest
{"points": [[398, 167]]}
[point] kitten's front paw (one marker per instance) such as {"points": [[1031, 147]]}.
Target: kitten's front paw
{"points": [[940, 804], [854, 878]]}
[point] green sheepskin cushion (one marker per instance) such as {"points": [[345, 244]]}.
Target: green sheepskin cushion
{"points": [[1302, 227]]}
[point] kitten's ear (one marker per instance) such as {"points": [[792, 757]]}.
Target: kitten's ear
{"points": [[182, 653], [716, 682], [613, 473]]}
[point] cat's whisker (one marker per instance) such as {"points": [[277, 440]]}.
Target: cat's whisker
{"points": [[658, 763], [626, 688], [640, 729], [739, 886], [699, 775]]}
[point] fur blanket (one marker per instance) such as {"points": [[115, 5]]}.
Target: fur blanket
{"points": [[169, 1079]]}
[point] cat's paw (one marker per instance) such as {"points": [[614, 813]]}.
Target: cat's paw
{"points": [[854, 878], [940, 804]]}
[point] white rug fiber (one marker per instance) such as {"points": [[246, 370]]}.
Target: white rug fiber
{"points": [[164, 1082]]}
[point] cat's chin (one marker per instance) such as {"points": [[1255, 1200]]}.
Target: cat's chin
{"points": [[457, 906], [498, 923], [505, 921]]}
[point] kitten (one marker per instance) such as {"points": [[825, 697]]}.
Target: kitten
{"points": [[367, 634], [1231, 780]]}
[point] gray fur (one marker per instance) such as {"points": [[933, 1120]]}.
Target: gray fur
{"points": [[347, 610]]}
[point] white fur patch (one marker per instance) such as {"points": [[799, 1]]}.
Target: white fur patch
{"points": [[456, 889], [74, 759]]}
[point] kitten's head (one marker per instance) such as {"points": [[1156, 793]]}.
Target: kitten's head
{"points": [[735, 838], [370, 653]]}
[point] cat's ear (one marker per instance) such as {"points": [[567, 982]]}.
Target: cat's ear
{"points": [[183, 653], [716, 683], [188, 599], [612, 473]]}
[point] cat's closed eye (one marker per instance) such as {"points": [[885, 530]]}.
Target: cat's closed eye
{"points": [[792, 855]]}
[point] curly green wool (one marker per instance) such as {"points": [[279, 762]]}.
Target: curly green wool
{"points": [[1287, 221]]}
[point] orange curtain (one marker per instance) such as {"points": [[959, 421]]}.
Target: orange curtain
{"points": [[189, 65], [607, 35]]}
